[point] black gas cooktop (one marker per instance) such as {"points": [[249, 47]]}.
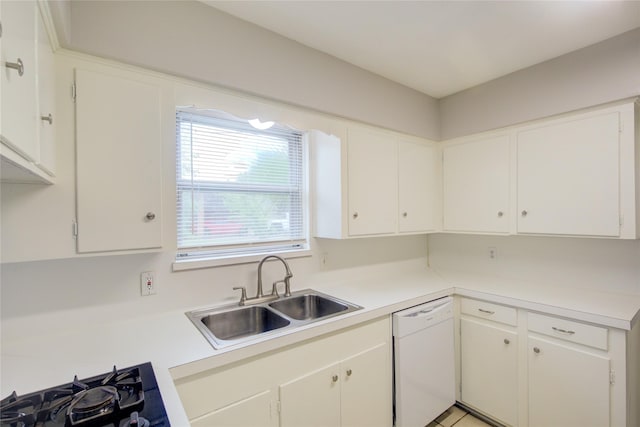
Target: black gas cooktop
{"points": [[120, 398]]}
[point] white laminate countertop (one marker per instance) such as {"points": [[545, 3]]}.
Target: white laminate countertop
{"points": [[177, 349]]}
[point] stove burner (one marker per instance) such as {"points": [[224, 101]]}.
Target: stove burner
{"points": [[93, 402], [112, 399]]}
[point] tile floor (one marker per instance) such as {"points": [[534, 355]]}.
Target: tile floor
{"points": [[457, 417]]}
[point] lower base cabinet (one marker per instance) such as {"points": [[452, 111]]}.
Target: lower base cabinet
{"points": [[349, 393], [253, 411], [528, 369], [568, 387], [340, 379], [489, 366]]}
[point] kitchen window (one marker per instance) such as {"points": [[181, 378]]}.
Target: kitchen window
{"points": [[240, 189]]}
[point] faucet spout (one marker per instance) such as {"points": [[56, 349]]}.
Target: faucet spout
{"points": [[287, 277]]}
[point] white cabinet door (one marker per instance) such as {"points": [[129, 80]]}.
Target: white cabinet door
{"points": [[118, 152], [251, 412], [489, 363], [312, 400], [19, 110], [567, 387], [365, 392], [476, 185], [46, 102], [568, 175], [373, 183], [416, 187]]}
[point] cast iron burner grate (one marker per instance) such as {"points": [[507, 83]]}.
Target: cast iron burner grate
{"points": [[121, 398]]}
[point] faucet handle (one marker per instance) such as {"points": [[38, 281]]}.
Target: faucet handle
{"points": [[243, 296]]}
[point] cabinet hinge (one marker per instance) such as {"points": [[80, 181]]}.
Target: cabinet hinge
{"points": [[612, 377], [275, 406], [73, 91], [74, 229]]}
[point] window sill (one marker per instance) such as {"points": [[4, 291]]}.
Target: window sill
{"points": [[236, 260]]}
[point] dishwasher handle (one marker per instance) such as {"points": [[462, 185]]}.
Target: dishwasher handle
{"points": [[433, 310], [414, 319]]}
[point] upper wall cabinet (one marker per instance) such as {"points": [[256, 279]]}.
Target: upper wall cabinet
{"points": [[118, 152], [576, 175], [374, 183], [418, 184], [567, 176], [476, 185], [26, 83]]}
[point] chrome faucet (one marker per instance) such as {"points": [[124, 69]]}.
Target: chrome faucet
{"points": [[260, 297], [287, 277]]}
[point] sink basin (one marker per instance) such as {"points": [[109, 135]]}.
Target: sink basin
{"points": [[230, 325], [312, 306], [240, 323]]}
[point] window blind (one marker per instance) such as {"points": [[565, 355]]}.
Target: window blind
{"points": [[239, 189]]}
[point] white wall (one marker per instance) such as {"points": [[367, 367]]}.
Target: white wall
{"points": [[80, 284], [190, 39], [604, 264], [604, 72]]}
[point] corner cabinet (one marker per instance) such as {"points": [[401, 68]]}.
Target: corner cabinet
{"points": [[476, 185], [118, 154], [374, 183], [27, 116], [340, 379], [489, 359]]}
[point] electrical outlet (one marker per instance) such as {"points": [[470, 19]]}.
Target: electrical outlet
{"points": [[493, 252], [147, 283]]}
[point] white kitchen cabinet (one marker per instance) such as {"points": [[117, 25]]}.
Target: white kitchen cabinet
{"points": [[118, 154], [531, 369], [252, 411], [568, 176], [568, 386], [476, 185], [46, 101], [19, 84], [575, 175], [417, 187], [372, 160], [26, 83], [351, 392], [373, 183], [489, 360], [342, 378], [312, 400]]}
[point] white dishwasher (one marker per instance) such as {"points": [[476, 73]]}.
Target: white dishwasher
{"points": [[423, 353]]}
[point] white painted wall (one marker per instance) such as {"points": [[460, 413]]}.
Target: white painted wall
{"points": [[604, 72], [603, 264], [190, 39]]}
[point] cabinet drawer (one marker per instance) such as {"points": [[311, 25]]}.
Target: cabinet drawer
{"points": [[568, 330], [489, 311]]}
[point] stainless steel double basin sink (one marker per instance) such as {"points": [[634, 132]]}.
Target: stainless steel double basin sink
{"points": [[234, 324]]}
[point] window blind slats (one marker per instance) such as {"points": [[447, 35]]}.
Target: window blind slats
{"points": [[237, 187]]}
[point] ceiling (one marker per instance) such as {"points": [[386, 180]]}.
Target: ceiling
{"points": [[441, 47]]}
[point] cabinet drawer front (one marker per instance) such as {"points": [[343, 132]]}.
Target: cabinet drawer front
{"points": [[580, 333], [489, 311]]}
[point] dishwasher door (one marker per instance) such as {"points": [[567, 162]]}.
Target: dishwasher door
{"points": [[424, 370]]}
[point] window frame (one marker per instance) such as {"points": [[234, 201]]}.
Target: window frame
{"points": [[241, 252]]}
